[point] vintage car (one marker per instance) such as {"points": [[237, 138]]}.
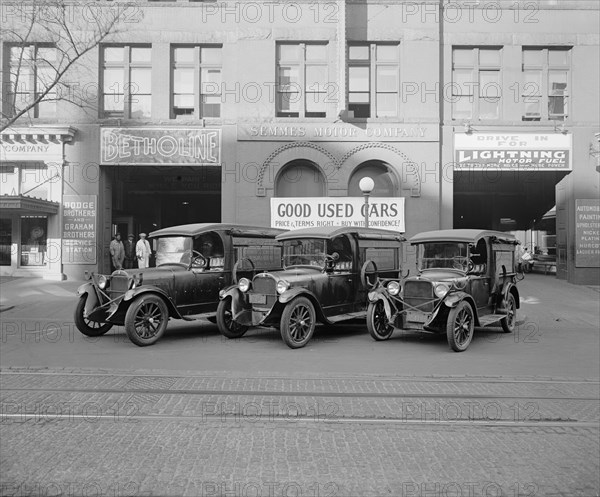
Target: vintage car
{"points": [[326, 274], [466, 278], [193, 263]]}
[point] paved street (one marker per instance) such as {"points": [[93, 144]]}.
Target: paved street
{"points": [[196, 414]]}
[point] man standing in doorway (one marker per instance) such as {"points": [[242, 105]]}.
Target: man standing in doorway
{"points": [[130, 257], [117, 252], [142, 251]]}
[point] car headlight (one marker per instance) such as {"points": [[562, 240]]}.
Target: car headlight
{"points": [[102, 282], [244, 285], [441, 289], [282, 286], [393, 288]]}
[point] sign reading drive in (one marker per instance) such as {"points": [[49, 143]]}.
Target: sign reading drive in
{"points": [[311, 212], [151, 146]]}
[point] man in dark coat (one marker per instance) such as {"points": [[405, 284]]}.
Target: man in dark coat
{"points": [[130, 258]]}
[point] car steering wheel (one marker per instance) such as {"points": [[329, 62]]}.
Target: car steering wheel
{"points": [[459, 262], [199, 259]]}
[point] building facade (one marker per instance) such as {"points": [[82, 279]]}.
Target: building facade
{"points": [[271, 112]]}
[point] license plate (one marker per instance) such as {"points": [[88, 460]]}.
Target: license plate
{"points": [[257, 298], [416, 317]]}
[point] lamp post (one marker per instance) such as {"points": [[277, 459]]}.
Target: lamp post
{"points": [[366, 186]]}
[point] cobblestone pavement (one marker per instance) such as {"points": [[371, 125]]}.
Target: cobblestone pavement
{"points": [[86, 432]]}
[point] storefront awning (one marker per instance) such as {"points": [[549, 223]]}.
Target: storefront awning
{"points": [[28, 205]]}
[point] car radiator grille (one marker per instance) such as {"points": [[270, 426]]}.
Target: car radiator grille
{"points": [[264, 285], [419, 294], [118, 285]]}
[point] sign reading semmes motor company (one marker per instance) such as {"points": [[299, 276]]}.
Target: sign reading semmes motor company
{"points": [[512, 151], [169, 146], [311, 212]]}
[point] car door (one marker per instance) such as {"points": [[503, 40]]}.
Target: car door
{"points": [[479, 278], [212, 271], [341, 286]]}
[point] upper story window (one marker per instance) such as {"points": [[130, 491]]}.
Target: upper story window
{"points": [[196, 81], [32, 70], [476, 83], [373, 80], [302, 79], [546, 76], [126, 81]]}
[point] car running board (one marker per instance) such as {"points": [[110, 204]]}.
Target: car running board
{"points": [[194, 317], [490, 319], [346, 317]]}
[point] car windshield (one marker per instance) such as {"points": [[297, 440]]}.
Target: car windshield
{"points": [[173, 250], [448, 255], [309, 252]]}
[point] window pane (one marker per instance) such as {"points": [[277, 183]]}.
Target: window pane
{"points": [[358, 98], [46, 76], [463, 82], [386, 105], [141, 81], [211, 81], [387, 78], [316, 52], [532, 108], [140, 106], [288, 52], [20, 53], [139, 54], [288, 76], [532, 57], [47, 54], [113, 103], [557, 82], [211, 106], [289, 102], [463, 57], [210, 55], [489, 57], [183, 101], [358, 78], [114, 54], [183, 80], [462, 108], [489, 84], [532, 82], [113, 80], [316, 77], [489, 108], [47, 107], [315, 103], [184, 55], [358, 52], [387, 52], [558, 57], [360, 110], [557, 107], [22, 79]]}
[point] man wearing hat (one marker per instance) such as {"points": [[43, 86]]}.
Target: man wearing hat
{"points": [[142, 251], [130, 257], [117, 252]]}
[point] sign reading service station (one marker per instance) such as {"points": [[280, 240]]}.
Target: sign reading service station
{"points": [[311, 212]]}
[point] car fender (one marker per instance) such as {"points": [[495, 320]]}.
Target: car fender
{"points": [[135, 292], [378, 294], [455, 298], [92, 301], [292, 293], [510, 288], [237, 300], [231, 291]]}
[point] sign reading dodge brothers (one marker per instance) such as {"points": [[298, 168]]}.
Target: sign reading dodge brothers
{"points": [[510, 151], [587, 232], [311, 212], [79, 229], [151, 146]]}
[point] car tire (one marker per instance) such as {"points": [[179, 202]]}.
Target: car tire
{"points": [[510, 321], [460, 326], [298, 322], [146, 320], [378, 323], [227, 326], [86, 326]]}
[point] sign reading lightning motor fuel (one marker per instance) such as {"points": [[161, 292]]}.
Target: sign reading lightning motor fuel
{"points": [[510, 151], [311, 212]]}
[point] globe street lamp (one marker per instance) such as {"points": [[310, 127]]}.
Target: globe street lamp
{"points": [[366, 186]]}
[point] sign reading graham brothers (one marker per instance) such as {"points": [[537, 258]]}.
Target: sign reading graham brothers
{"points": [[512, 151], [168, 146], [312, 212], [587, 232]]}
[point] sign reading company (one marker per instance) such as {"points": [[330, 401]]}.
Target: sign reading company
{"points": [[311, 212], [169, 146], [510, 151], [79, 229], [587, 232]]}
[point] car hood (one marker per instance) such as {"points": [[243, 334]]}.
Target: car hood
{"points": [[161, 277], [438, 275], [296, 275]]}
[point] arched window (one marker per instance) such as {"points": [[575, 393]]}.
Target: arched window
{"points": [[386, 184], [300, 178]]}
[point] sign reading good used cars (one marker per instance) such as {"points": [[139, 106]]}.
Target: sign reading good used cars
{"points": [[510, 151], [168, 146], [311, 212]]}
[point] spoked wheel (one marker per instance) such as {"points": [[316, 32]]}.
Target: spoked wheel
{"points": [[378, 323], [298, 322], [146, 320], [227, 326], [510, 321], [459, 329], [87, 326]]}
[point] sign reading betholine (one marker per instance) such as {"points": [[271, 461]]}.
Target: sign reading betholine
{"points": [[168, 146], [312, 212], [79, 229], [587, 232]]}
